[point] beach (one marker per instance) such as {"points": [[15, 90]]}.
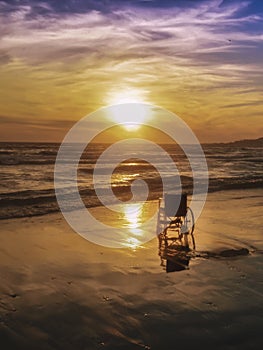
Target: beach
{"points": [[59, 291], [131, 155]]}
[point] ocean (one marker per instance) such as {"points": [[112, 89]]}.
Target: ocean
{"points": [[27, 173]]}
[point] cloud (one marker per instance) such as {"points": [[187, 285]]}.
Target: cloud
{"points": [[247, 104], [66, 57], [193, 34]]}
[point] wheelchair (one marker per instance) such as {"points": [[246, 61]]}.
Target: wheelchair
{"points": [[175, 231]]}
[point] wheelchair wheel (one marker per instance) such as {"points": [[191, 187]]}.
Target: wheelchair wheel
{"points": [[190, 221], [188, 230]]}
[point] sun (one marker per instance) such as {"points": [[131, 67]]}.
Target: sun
{"points": [[132, 110], [130, 115]]}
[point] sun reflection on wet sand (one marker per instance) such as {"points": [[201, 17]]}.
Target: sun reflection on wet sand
{"points": [[135, 223], [132, 243], [133, 217]]}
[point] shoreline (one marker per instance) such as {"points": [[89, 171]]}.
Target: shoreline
{"points": [[246, 187]]}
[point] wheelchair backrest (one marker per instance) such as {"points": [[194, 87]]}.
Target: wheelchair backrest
{"points": [[175, 204]]}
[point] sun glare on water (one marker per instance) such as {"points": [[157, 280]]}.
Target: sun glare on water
{"points": [[131, 112]]}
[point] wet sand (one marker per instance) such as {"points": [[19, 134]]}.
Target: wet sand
{"points": [[59, 291]]}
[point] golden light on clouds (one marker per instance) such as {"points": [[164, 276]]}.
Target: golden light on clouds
{"points": [[200, 60], [126, 95]]}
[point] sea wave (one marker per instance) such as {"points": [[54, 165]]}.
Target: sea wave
{"points": [[31, 203], [28, 169]]}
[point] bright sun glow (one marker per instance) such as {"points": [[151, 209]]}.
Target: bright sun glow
{"points": [[131, 116]]}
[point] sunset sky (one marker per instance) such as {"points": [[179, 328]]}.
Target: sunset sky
{"points": [[60, 60]]}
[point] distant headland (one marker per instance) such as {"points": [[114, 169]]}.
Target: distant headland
{"points": [[243, 143]]}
